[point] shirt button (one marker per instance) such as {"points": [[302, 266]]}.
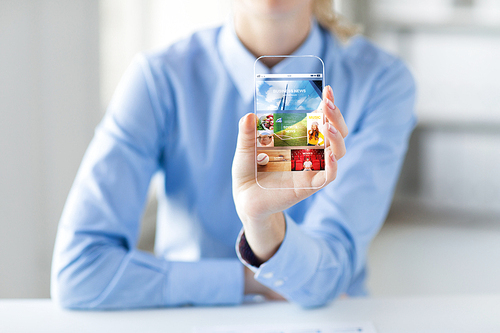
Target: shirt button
{"points": [[278, 283], [268, 275]]}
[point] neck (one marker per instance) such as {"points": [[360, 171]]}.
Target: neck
{"points": [[272, 35]]}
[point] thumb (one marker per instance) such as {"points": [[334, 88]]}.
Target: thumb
{"points": [[244, 157]]}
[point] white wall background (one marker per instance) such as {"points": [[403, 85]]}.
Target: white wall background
{"points": [[443, 235], [454, 54], [49, 104]]}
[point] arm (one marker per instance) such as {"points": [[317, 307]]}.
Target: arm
{"points": [[261, 210], [318, 256], [96, 264]]}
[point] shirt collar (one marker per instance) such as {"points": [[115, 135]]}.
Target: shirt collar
{"points": [[239, 62]]}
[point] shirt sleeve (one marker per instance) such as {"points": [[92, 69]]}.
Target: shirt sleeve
{"points": [[96, 264], [327, 235]]}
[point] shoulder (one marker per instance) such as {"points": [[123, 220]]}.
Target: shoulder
{"points": [[366, 61], [364, 76], [196, 49], [362, 52], [385, 71], [385, 74], [191, 61]]}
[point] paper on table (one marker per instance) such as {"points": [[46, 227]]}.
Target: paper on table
{"points": [[365, 327]]}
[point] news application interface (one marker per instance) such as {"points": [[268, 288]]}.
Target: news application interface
{"points": [[289, 127]]}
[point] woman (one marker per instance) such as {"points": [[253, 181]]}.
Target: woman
{"points": [[315, 138], [167, 115]]}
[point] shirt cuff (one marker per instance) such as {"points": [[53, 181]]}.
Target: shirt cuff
{"points": [[295, 262], [245, 253], [205, 282]]}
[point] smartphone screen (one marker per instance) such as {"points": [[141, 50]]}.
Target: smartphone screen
{"points": [[290, 145]]}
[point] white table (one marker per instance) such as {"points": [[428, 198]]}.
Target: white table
{"points": [[390, 315]]}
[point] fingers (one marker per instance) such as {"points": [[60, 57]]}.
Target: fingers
{"points": [[333, 152], [246, 134], [337, 144], [336, 132], [332, 112], [244, 158], [331, 165]]}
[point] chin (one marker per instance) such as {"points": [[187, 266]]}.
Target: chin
{"points": [[275, 7]]}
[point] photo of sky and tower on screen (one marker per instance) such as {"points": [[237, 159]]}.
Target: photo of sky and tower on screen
{"points": [[287, 119], [275, 95]]}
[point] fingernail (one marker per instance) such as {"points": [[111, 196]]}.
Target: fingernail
{"points": [[332, 128], [330, 104], [246, 117], [330, 90], [332, 156]]}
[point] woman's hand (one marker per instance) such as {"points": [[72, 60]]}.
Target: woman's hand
{"points": [[260, 210]]}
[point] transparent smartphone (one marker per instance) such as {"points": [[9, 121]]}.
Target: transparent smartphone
{"points": [[289, 140]]}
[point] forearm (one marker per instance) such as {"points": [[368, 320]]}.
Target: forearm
{"points": [[260, 210], [99, 274], [265, 234], [306, 269]]}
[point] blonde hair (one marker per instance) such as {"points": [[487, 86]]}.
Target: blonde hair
{"points": [[326, 16]]}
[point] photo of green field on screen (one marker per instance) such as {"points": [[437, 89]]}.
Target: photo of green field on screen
{"points": [[290, 129]]}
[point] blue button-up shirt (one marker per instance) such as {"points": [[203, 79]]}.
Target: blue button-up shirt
{"points": [[176, 112]]}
